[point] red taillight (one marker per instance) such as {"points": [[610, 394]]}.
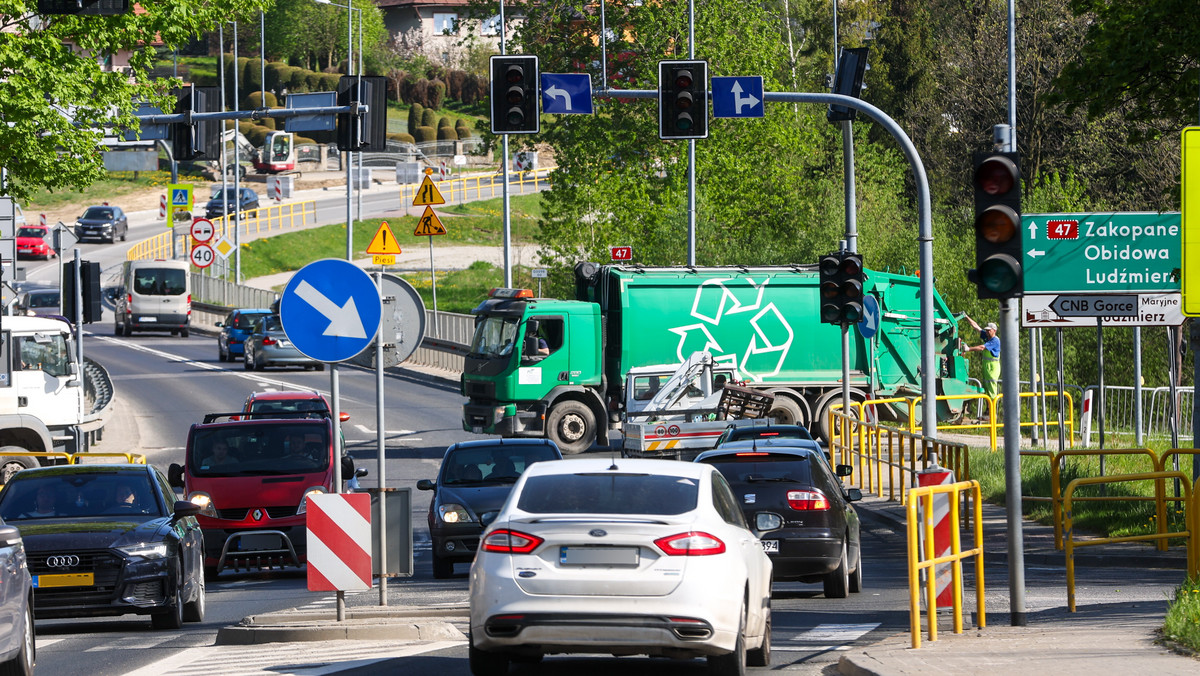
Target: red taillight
{"points": [[768, 434], [807, 501], [691, 543], [129, 303], [505, 541], [750, 453], [267, 340]]}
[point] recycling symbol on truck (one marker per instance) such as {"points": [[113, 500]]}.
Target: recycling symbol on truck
{"points": [[724, 312]]}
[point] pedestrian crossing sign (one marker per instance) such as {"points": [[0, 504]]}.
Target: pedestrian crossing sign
{"points": [[428, 194], [384, 242], [181, 196], [429, 224]]}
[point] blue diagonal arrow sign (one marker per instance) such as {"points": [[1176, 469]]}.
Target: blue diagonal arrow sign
{"points": [[330, 310], [567, 93]]}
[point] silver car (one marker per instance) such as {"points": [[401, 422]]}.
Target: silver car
{"points": [[17, 642], [621, 556], [268, 345]]}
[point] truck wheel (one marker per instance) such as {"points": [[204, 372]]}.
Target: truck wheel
{"points": [[572, 426], [820, 427], [787, 411], [11, 464]]}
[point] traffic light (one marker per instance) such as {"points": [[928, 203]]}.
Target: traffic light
{"points": [[369, 130], [997, 181], [90, 284], [841, 285], [197, 140], [848, 81], [515, 94], [682, 99]]}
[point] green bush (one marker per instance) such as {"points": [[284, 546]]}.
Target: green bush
{"points": [[254, 100], [414, 117], [276, 75], [1182, 622], [446, 134], [444, 121], [436, 94], [429, 118], [313, 81], [462, 128], [298, 81], [329, 82], [304, 140], [425, 134], [254, 133], [400, 137], [252, 75]]}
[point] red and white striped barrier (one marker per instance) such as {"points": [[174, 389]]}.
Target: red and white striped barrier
{"points": [[42, 220], [162, 206], [444, 171], [339, 541], [1085, 423], [937, 476], [277, 189]]}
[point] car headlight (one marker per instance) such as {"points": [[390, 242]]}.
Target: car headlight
{"points": [[315, 490], [145, 550], [452, 513], [204, 501]]}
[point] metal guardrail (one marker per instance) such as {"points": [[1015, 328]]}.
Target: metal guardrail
{"points": [[1191, 518], [925, 559], [264, 220]]}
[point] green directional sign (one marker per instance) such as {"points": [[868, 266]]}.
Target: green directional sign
{"points": [[1101, 252]]}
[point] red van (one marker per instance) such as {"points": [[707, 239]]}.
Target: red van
{"points": [[252, 477]]}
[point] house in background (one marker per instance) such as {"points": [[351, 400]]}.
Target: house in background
{"points": [[436, 27]]}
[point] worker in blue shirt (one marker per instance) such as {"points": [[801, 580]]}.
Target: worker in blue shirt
{"points": [[990, 352]]}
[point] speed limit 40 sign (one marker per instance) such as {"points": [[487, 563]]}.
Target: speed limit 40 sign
{"points": [[203, 255]]}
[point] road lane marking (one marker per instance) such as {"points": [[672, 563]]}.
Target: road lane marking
{"points": [[283, 659]]}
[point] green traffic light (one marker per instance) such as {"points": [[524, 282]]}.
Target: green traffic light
{"points": [[1000, 273]]}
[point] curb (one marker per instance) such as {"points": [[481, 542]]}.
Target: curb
{"points": [[362, 624]]}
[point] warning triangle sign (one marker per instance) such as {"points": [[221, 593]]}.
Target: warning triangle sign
{"points": [[384, 242], [428, 194], [429, 224]]}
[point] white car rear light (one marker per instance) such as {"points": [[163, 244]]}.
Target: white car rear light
{"points": [[505, 541], [691, 543]]}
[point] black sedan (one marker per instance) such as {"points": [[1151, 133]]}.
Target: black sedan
{"points": [[472, 484], [108, 540], [819, 538], [105, 223]]}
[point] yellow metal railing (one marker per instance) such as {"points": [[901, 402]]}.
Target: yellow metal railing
{"points": [[257, 222], [77, 458], [484, 187], [1190, 521], [926, 560]]}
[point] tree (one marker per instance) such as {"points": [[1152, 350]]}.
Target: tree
{"points": [[57, 100]]}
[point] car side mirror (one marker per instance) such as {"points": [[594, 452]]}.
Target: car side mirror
{"points": [[184, 509], [175, 475], [425, 485], [361, 472], [219, 324], [853, 494], [844, 470], [767, 521], [9, 536]]}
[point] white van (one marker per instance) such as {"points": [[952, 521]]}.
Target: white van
{"points": [[154, 295]]}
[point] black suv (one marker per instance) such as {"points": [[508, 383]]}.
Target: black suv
{"points": [[472, 484], [765, 431], [819, 539], [222, 202]]}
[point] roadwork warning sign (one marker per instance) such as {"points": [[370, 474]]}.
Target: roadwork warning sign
{"points": [[429, 224]]}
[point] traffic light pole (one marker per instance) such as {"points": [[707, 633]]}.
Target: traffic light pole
{"points": [[1010, 389]]}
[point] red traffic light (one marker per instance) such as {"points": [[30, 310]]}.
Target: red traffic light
{"points": [[683, 79], [996, 175]]}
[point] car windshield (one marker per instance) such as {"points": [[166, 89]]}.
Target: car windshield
{"points": [[78, 494], [494, 337], [768, 433], [755, 467], [44, 299], [270, 323], [492, 464], [31, 232], [609, 493], [104, 213], [160, 281], [269, 448], [311, 408]]}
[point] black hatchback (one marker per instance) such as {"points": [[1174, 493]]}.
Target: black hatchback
{"points": [[819, 539], [472, 484], [108, 540], [223, 202], [105, 223]]}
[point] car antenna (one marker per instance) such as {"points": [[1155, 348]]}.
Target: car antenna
{"points": [[613, 466]]}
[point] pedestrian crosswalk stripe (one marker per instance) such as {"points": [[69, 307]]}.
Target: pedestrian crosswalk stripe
{"points": [[284, 659]]}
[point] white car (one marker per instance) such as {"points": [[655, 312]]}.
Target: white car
{"points": [[621, 556]]}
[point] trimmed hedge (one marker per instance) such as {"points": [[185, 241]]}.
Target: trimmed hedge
{"points": [[400, 137], [446, 133], [425, 134], [415, 114]]}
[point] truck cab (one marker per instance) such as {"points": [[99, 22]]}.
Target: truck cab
{"points": [[42, 402], [533, 369], [251, 478]]}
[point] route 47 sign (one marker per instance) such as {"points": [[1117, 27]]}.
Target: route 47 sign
{"points": [[1101, 253]]}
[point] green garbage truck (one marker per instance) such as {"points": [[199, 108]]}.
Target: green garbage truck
{"points": [[540, 367]]}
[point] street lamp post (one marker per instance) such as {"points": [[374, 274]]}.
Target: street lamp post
{"points": [[349, 154]]}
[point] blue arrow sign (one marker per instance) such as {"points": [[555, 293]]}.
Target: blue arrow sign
{"points": [[870, 321], [567, 93], [740, 96], [330, 310]]}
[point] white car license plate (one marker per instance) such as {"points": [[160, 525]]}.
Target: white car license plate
{"points": [[598, 556], [770, 545], [146, 320]]}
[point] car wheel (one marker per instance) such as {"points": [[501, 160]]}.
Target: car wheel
{"points": [[222, 353], [572, 427], [174, 332], [485, 663], [321, 367], [185, 331], [124, 233], [22, 663], [259, 364], [734, 663], [111, 239], [246, 361], [193, 611], [118, 329], [442, 568], [761, 656], [211, 572], [170, 617], [11, 464], [837, 583], [856, 584]]}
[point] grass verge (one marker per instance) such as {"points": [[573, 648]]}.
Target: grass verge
{"points": [[1182, 623], [110, 189]]}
